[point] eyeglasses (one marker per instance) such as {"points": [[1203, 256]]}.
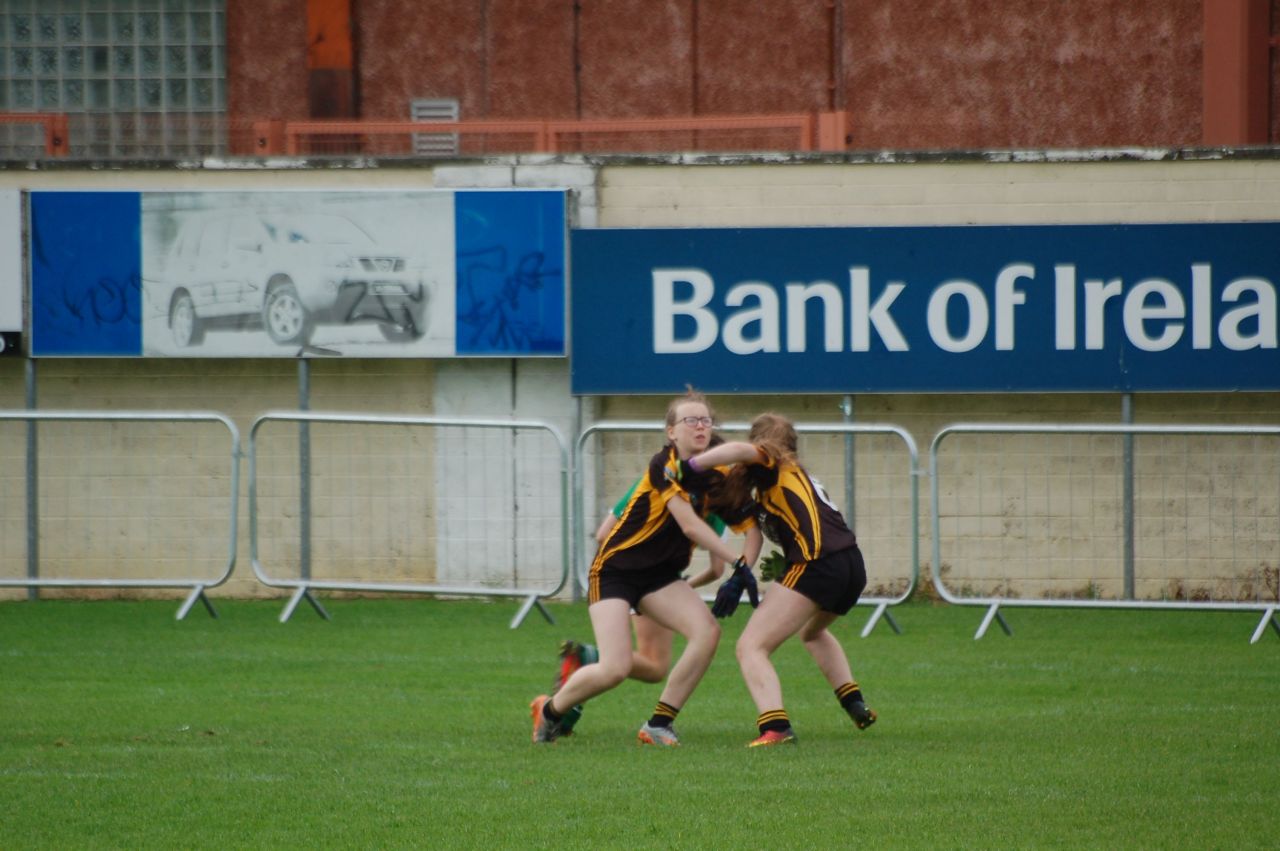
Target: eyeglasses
{"points": [[705, 422]]}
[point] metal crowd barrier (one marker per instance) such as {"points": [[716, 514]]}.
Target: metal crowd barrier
{"points": [[511, 586], [198, 585], [1125, 501], [584, 541]]}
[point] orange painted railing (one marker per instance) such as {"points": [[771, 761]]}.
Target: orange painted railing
{"points": [[827, 131], [57, 141], [822, 131]]}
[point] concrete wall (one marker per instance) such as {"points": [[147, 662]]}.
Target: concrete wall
{"points": [[650, 193]]}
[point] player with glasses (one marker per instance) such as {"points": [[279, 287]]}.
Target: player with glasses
{"points": [[639, 566], [651, 658]]}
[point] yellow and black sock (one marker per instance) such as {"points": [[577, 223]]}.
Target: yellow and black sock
{"points": [[849, 694], [663, 715], [774, 719]]}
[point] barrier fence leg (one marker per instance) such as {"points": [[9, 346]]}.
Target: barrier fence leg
{"points": [[197, 593], [1268, 617], [882, 611], [992, 613], [302, 593], [893, 624], [524, 611]]}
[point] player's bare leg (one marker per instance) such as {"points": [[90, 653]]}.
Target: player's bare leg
{"points": [[782, 614], [826, 649], [611, 622], [652, 657], [834, 663], [679, 608]]}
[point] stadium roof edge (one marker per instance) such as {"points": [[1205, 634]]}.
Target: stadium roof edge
{"points": [[994, 155]]}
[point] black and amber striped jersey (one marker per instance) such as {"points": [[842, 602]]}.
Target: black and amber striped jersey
{"points": [[796, 513], [646, 535]]}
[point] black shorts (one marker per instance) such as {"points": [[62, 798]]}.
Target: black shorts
{"points": [[834, 582], [629, 585]]}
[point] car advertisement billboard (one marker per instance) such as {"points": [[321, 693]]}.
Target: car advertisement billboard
{"points": [[10, 272], [927, 309], [298, 274]]}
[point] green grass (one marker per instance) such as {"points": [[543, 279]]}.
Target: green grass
{"points": [[404, 723]]}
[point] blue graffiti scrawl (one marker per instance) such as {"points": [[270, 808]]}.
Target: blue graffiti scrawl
{"points": [[86, 273], [510, 274]]}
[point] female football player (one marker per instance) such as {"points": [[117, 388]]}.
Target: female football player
{"points": [[639, 565], [651, 659], [824, 579]]}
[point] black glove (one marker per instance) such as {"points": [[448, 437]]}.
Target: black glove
{"points": [[730, 593], [744, 573], [727, 597]]}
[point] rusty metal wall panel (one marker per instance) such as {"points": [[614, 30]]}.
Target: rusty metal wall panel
{"points": [[913, 74], [763, 57], [636, 58], [266, 59], [1041, 73]]}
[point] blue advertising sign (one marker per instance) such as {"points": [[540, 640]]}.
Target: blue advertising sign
{"points": [[86, 273], [927, 309], [511, 253], [295, 274]]}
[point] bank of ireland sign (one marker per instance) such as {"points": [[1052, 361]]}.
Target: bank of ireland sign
{"points": [[1121, 308]]}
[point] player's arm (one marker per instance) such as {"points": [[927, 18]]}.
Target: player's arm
{"points": [[754, 543], [611, 519], [697, 530], [713, 571], [734, 452], [606, 526], [750, 552], [715, 566]]}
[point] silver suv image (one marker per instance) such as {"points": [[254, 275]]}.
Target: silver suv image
{"points": [[287, 273]]}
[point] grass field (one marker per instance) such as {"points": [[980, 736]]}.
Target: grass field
{"points": [[404, 723]]}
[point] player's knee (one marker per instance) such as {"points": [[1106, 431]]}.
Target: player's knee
{"points": [[651, 667], [747, 647], [648, 670], [812, 635], [614, 671]]}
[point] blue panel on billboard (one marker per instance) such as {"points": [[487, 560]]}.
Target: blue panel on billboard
{"points": [[927, 309], [510, 273], [86, 273], [377, 273]]}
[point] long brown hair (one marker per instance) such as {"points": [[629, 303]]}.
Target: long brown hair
{"points": [[772, 433], [775, 434]]}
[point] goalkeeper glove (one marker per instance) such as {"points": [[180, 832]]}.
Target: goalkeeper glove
{"points": [[730, 593], [744, 573], [773, 566], [727, 597]]}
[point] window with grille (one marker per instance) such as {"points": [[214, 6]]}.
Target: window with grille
{"points": [[136, 78]]}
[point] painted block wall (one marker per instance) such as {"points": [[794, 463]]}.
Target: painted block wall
{"points": [[981, 560], [656, 193]]}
